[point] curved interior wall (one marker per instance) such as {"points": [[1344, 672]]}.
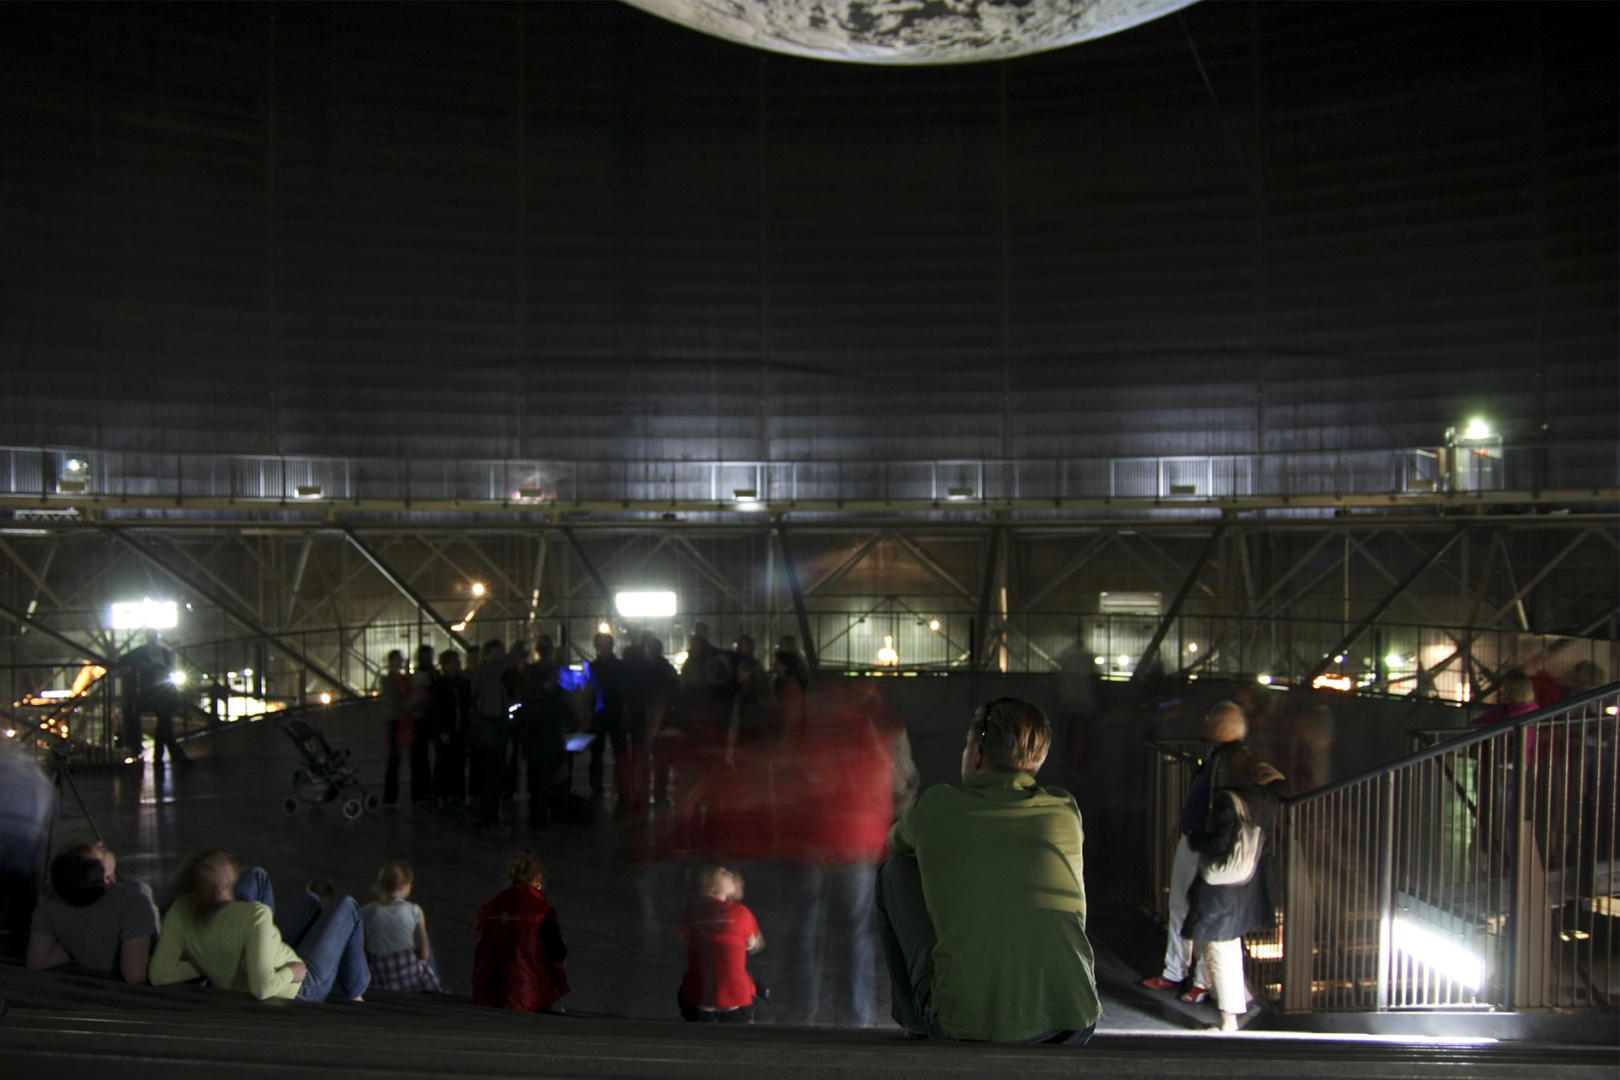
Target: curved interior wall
{"points": [[575, 231]]}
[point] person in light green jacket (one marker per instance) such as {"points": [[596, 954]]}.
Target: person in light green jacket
{"points": [[234, 943]]}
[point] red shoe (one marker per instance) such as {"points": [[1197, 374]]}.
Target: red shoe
{"points": [[1159, 982], [1194, 996]]}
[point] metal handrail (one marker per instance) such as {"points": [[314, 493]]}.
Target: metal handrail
{"points": [[1476, 736]]}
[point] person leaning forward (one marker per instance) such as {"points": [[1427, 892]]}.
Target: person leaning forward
{"points": [[982, 904]]}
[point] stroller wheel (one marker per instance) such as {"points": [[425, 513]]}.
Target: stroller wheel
{"points": [[290, 805], [352, 809], [372, 802]]}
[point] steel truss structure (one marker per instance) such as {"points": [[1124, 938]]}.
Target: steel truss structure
{"points": [[1404, 602]]}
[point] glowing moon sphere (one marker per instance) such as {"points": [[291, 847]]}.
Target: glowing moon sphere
{"points": [[909, 31]]}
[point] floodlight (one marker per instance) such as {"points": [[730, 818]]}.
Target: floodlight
{"points": [[76, 465], [178, 678], [478, 588], [933, 624], [146, 612], [326, 699], [1445, 953], [645, 605], [604, 628], [1477, 429], [1394, 660], [1264, 680], [1192, 646]]}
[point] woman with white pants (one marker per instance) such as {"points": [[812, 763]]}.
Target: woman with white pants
{"points": [[1233, 893]]}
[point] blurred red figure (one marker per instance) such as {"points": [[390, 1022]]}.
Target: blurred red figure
{"points": [[720, 934]]}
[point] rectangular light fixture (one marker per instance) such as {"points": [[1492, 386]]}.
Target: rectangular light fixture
{"points": [[645, 605], [745, 494], [148, 613], [957, 494], [307, 491]]}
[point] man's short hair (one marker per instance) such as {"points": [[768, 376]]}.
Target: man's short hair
{"points": [[603, 642], [494, 647], [1225, 722], [1014, 733], [78, 875]]}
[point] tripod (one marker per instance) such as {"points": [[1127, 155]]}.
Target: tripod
{"points": [[61, 752]]}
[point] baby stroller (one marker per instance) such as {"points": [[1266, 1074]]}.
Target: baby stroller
{"points": [[326, 775]]}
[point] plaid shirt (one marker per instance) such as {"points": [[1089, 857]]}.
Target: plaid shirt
{"points": [[402, 971]]}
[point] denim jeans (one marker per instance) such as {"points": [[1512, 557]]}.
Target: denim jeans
{"points": [[330, 941]]}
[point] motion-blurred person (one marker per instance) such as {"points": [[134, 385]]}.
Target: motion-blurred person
{"points": [[398, 951], [518, 952], [547, 710], [209, 932], [789, 644], [153, 667], [1225, 726], [1584, 676], [91, 919], [394, 691], [449, 710], [1233, 893], [27, 806], [608, 722], [512, 754], [983, 902], [787, 692], [413, 734], [837, 792], [720, 934], [1307, 753], [1516, 697], [488, 731]]}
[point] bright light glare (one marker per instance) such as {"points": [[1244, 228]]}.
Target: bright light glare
{"points": [[604, 628], [326, 699], [459, 627], [1124, 659], [1100, 659], [1339, 659], [1333, 682], [645, 605], [933, 624], [154, 614], [178, 678], [74, 465], [1394, 659], [1264, 680], [1192, 646], [886, 655], [1477, 429], [478, 588], [247, 673], [1441, 952]]}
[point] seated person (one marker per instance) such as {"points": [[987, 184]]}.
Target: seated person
{"points": [[397, 946], [983, 903], [90, 918], [518, 953], [720, 934], [211, 931]]}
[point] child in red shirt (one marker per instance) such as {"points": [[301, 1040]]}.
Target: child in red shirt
{"points": [[719, 934]]}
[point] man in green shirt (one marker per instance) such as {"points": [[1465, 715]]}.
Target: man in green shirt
{"points": [[983, 904]]}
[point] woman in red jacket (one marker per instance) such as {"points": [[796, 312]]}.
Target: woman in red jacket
{"points": [[519, 952]]}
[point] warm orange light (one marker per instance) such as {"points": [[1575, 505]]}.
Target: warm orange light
{"points": [[1333, 682]]}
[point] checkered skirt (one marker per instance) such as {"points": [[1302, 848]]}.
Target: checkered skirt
{"points": [[402, 971]]}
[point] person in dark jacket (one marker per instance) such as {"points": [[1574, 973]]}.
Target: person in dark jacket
{"points": [[1244, 790], [449, 709], [518, 952], [547, 709]]}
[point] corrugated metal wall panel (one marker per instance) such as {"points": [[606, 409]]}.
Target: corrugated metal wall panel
{"points": [[357, 242]]}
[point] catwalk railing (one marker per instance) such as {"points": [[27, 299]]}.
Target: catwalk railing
{"points": [[106, 475], [1476, 874]]}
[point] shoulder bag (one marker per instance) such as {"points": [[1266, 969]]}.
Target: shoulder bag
{"points": [[1238, 865]]}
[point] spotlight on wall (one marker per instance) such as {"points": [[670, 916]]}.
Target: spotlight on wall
{"points": [[933, 624], [148, 613], [645, 605], [326, 699], [1192, 646], [478, 588]]}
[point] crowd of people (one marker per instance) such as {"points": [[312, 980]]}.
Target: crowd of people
{"points": [[468, 740], [978, 891]]}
